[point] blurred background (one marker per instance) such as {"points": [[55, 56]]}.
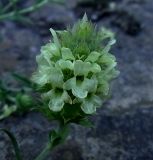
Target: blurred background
{"points": [[124, 125]]}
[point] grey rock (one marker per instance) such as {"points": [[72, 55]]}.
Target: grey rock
{"points": [[57, 16]]}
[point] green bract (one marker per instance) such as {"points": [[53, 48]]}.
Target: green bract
{"points": [[77, 67]]}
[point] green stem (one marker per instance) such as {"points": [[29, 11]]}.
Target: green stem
{"points": [[23, 11], [45, 152], [59, 138], [33, 8]]}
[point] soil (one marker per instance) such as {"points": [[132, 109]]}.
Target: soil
{"points": [[123, 126]]}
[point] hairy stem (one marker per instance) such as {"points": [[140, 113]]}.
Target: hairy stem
{"points": [[60, 137]]}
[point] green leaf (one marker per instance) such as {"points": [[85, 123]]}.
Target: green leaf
{"points": [[55, 77], [103, 87], [93, 57], [107, 34], [69, 84], [49, 75], [79, 92], [58, 137], [41, 60], [85, 18], [107, 62], [49, 114], [95, 68], [14, 143], [55, 38], [81, 68], [58, 99], [85, 122], [67, 54], [88, 106], [65, 64], [71, 113], [97, 100], [76, 88], [56, 104], [80, 88], [50, 52], [23, 79], [7, 111], [90, 84], [53, 135]]}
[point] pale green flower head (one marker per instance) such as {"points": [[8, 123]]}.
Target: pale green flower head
{"points": [[76, 67]]}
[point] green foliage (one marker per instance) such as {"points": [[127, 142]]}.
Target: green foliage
{"points": [[17, 100], [14, 143], [13, 12]]}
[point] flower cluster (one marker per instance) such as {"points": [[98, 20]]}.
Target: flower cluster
{"points": [[76, 67]]}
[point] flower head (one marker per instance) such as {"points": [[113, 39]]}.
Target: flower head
{"points": [[76, 67]]}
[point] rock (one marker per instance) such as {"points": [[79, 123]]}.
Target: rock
{"points": [[18, 47], [65, 152], [127, 23], [50, 16]]}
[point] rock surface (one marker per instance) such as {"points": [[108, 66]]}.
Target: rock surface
{"points": [[123, 126]]}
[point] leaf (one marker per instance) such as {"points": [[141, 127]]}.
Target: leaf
{"points": [[90, 84], [85, 18], [58, 99], [85, 122], [79, 92], [53, 135], [65, 64], [58, 137], [76, 88], [106, 34], [71, 113], [7, 111], [50, 51], [55, 38], [14, 143], [49, 75], [67, 54], [95, 68], [88, 106], [93, 56], [81, 68], [23, 79], [55, 77], [55, 138]]}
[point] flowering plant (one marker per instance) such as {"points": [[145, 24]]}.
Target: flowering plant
{"points": [[73, 77], [76, 68]]}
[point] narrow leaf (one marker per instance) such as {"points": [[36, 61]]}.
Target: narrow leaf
{"points": [[14, 143]]}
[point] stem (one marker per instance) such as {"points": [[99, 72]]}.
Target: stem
{"points": [[45, 152], [33, 8], [26, 10], [23, 11], [61, 134]]}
